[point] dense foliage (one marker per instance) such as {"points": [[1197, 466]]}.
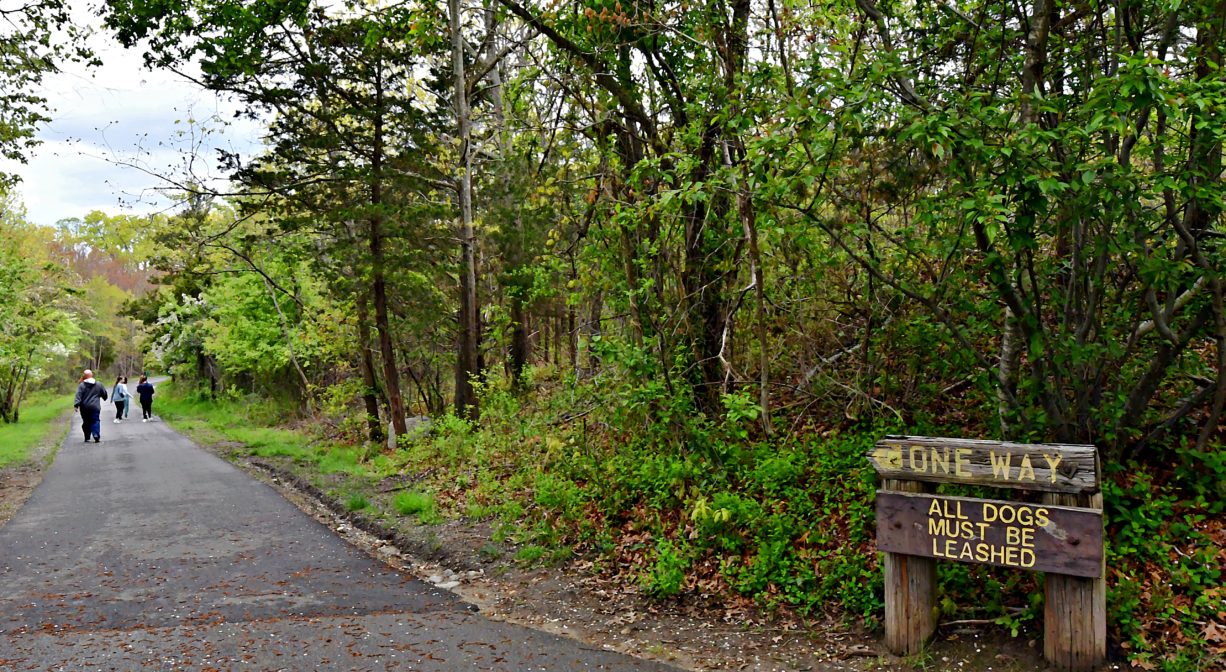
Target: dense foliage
{"points": [[997, 214], [723, 229]]}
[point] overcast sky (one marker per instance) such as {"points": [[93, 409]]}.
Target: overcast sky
{"points": [[120, 113]]}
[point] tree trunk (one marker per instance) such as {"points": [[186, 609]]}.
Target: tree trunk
{"points": [[519, 338], [391, 374], [370, 395], [750, 229], [466, 360]]}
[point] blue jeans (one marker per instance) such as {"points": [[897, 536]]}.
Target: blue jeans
{"points": [[90, 422]]}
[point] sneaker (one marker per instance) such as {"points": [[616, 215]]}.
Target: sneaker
{"points": [[116, 421], [97, 439], [144, 419]]}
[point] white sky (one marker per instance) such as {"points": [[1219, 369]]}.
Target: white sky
{"points": [[120, 113]]}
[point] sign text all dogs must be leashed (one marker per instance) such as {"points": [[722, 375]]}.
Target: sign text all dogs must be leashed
{"points": [[1037, 537], [1061, 535]]}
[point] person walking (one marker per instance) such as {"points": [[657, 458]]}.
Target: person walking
{"points": [[145, 391], [90, 395], [127, 400], [119, 395]]}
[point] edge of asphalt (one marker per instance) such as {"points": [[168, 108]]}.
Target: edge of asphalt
{"points": [[36, 464]]}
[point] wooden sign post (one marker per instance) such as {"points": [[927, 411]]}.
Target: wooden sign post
{"points": [[1062, 535]]}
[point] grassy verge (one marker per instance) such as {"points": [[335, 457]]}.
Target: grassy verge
{"points": [[678, 505], [253, 427], [250, 422], [36, 427]]}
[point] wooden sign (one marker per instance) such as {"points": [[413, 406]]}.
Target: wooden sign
{"points": [[1062, 536], [1039, 537], [1044, 467]]}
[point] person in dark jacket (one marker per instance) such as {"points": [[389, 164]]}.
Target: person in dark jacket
{"points": [[90, 395], [145, 391]]}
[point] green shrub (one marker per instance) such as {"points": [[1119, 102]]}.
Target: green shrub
{"points": [[356, 502], [418, 504], [666, 576]]}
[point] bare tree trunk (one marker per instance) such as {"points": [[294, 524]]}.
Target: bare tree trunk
{"points": [[516, 289], [593, 331], [466, 361], [391, 374], [572, 340], [749, 227], [370, 396], [1012, 341], [21, 391], [519, 338]]}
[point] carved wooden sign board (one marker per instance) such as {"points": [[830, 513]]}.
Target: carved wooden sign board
{"points": [[1062, 535], [1043, 467], [1037, 537]]}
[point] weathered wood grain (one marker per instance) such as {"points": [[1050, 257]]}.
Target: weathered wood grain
{"points": [[910, 593], [1075, 611], [1041, 467], [1037, 537]]}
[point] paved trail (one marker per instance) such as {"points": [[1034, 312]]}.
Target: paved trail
{"points": [[146, 552]]}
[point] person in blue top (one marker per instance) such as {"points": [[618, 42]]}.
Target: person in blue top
{"points": [[145, 392], [119, 395], [90, 395]]}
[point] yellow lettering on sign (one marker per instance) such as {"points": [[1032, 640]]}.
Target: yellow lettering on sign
{"points": [[923, 464], [957, 536], [1025, 468], [1013, 535], [1000, 465], [965, 553], [959, 461], [940, 459], [1052, 464]]}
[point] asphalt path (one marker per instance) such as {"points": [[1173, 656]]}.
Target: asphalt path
{"points": [[145, 552]]}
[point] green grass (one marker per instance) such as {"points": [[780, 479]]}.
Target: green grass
{"points": [[356, 502], [420, 504], [243, 422], [37, 424]]}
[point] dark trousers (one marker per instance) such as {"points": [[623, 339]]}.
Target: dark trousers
{"points": [[90, 422], [119, 409], [146, 407]]}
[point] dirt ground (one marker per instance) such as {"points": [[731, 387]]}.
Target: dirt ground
{"points": [[572, 600]]}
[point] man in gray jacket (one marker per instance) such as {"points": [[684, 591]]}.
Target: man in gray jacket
{"points": [[90, 395]]}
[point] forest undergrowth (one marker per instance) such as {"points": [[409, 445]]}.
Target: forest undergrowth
{"points": [[655, 496]]}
